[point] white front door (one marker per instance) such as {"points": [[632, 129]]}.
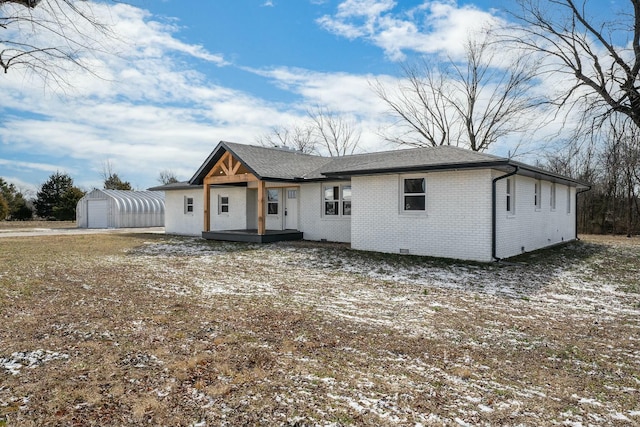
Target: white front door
{"points": [[291, 208]]}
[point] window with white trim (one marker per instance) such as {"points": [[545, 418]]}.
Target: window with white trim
{"points": [[511, 196], [537, 197], [188, 204], [223, 205], [552, 197], [414, 196], [273, 196], [568, 199], [336, 200], [346, 200]]}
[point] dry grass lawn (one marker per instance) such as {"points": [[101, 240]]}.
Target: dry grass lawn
{"points": [[123, 330]]}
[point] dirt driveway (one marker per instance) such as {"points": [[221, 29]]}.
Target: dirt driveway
{"points": [[43, 231]]}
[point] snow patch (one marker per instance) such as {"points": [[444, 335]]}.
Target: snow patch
{"points": [[29, 359]]}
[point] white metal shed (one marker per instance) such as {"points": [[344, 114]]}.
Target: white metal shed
{"points": [[120, 209]]}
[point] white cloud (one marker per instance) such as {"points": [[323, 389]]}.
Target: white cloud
{"points": [[433, 27]]}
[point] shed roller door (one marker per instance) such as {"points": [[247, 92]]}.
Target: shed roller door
{"points": [[97, 212]]}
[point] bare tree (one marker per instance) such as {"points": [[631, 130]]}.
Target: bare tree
{"points": [[337, 134], [599, 57], [111, 179], [421, 106], [167, 176], [324, 132], [300, 137], [472, 103], [46, 36]]}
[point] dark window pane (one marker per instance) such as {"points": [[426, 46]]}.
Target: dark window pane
{"points": [[224, 200], [272, 208], [414, 203], [272, 195], [414, 185], [224, 208], [189, 208], [331, 208], [346, 208]]}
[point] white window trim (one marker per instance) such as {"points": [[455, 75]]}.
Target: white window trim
{"points": [[552, 197], [568, 200], [340, 201], [537, 196], [187, 204], [401, 195], [277, 202], [220, 204], [510, 191]]}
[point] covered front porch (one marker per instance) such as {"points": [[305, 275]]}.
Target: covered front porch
{"points": [[252, 236], [240, 206]]}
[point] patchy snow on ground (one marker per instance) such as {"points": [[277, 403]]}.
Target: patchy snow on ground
{"points": [[407, 297], [28, 359]]}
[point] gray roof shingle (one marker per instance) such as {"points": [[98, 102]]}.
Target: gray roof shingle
{"points": [[283, 164], [265, 163]]}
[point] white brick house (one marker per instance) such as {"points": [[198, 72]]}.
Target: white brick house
{"points": [[442, 202]]}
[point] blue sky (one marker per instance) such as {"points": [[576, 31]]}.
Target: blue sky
{"points": [[183, 75]]}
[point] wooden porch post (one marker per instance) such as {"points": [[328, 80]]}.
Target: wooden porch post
{"points": [[261, 208], [207, 205]]}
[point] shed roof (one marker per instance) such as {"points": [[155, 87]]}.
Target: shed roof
{"points": [[129, 201]]}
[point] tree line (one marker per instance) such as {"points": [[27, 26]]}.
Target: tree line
{"points": [[57, 197]]}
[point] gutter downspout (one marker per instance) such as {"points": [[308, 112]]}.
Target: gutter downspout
{"points": [[576, 221], [494, 208]]}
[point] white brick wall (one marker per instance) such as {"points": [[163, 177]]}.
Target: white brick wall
{"points": [[176, 221], [313, 224], [532, 228], [457, 222], [236, 218]]}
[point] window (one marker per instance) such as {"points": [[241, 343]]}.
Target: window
{"points": [[511, 196], [223, 204], [414, 194], [272, 201], [568, 199], [337, 200], [188, 205], [346, 200], [537, 197], [331, 200], [552, 198]]}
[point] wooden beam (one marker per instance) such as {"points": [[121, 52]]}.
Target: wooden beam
{"points": [[236, 167], [261, 208], [224, 179], [207, 206]]}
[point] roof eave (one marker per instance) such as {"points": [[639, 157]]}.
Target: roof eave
{"points": [[444, 166]]}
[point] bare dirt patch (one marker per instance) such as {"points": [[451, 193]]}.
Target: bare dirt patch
{"points": [[135, 329]]}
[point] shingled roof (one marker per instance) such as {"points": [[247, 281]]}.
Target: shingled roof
{"points": [[444, 157], [282, 164], [279, 164]]}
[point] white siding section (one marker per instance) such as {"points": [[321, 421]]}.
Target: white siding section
{"points": [[532, 228], [177, 221], [236, 218], [456, 224], [313, 224]]}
